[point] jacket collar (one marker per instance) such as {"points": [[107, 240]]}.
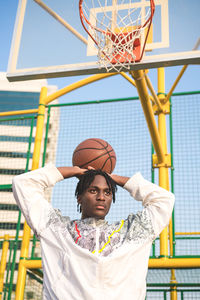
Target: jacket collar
{"points": [[94, 222]]}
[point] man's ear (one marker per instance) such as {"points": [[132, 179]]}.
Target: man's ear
{"points": [[79, 200]]}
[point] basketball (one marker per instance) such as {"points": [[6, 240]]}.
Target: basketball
{"points": [[96, 153]]}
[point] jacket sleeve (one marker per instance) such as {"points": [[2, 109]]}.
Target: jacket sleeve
{"points": [[158, 203], [28, 191]]}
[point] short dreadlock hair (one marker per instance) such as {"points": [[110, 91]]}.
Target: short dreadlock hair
{"points": [[87, 178]]}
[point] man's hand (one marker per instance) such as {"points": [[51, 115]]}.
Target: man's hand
{"points": [[68, 172], [120, 180], [75, 171]]}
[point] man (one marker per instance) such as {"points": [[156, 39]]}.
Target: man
{"points": [[89, 259]]}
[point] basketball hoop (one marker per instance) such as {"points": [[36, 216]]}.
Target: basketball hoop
{"points": [[119, 29]]}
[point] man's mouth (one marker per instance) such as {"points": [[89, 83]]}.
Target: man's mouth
{"points": [[100, 206]]}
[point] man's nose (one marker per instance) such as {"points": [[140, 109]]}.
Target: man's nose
{"points": [[101, 196]]}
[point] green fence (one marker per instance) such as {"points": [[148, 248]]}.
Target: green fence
{"points": [[121, 122], [16, 146]]}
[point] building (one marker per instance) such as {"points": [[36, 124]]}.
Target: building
{"points": [[17, 134]]}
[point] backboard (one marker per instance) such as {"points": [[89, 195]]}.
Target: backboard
{"points": [[49, 40]]}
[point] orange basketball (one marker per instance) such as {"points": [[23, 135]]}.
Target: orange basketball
{"points": [[96, 153]]}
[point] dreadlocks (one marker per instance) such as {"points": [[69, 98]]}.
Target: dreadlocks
{"points": [[87, 178]]}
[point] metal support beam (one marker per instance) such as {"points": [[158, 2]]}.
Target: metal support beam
{"points": [[140, 82]]}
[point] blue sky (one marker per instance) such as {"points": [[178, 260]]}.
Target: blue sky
{"points": [[112, 87]]}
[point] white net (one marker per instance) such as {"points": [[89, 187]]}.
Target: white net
{"points": [[118, 28]]}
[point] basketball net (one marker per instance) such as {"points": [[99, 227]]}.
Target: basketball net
{"points": [[119, 29]]}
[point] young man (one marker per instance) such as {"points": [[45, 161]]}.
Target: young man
{"points": [[89, 259]]}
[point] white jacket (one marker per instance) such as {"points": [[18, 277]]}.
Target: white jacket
{"points": [[90, 259]]}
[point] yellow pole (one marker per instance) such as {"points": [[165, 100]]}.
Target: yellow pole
{"points": [[163, 171], [3, 262], [176, 82], [123, 74], [188, 233], [164, 174], [39, 129], [128, 78], [180, 74], [77, 85], [171, 237], [173, 289], [157, 263], [153, 93], [21, 279], [148, 112], [13, 237], [33, 264], [172, 263], [18, 112]]}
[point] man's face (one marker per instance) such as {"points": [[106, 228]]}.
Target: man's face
{"points": [[96, 200]]}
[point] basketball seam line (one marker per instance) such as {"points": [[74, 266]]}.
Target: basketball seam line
{"points": [[98, 158], [107, 153], [104, 148]]}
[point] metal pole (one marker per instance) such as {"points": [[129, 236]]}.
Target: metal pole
{"points": [[77, 85], [21, 279], [3, 262], [164, 174], [163, 171], [148, 112], [172, 263]]}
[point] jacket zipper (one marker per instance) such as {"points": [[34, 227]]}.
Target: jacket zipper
{"points": [[97, 241]]}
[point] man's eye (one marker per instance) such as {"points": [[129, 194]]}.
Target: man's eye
{"points": [[108, 193], [93, 191]]}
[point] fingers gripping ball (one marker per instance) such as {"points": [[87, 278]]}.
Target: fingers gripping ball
{"points": [[96, 153]]}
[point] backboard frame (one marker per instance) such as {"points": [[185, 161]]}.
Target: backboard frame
{"points": [[92, 67]]}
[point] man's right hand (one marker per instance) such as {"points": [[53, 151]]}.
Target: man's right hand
{"points": [[68, 172]]}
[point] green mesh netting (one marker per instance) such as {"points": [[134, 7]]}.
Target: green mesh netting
{"points": [[16, 147], [122, 124], [186, 145]]}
